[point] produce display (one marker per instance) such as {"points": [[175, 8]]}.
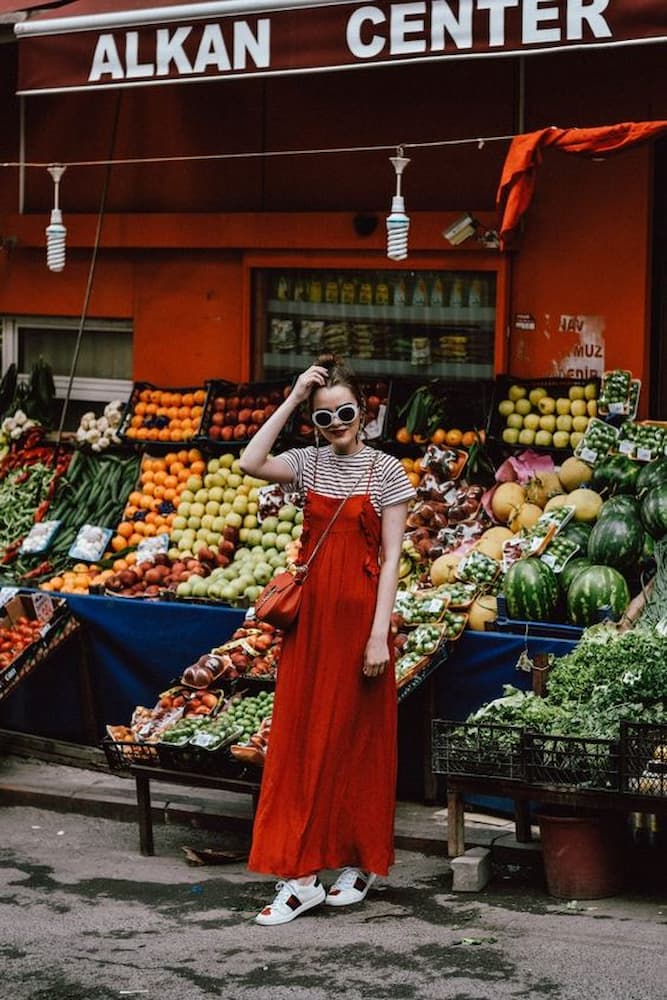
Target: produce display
{"points": [[165, 415], [532, 415], [236, 412]]}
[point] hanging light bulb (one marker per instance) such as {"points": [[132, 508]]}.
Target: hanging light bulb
{"points": [[398, 223], [55, 231]]}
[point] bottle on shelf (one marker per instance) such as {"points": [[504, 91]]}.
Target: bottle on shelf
{"points": [[315, 289], [456, 294], [365, 292], [382, 292], [437, 292], [331, 290]]}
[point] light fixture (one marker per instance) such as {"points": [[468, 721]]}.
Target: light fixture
{"points": [[461, 230], [398, 223], [55, 231]]}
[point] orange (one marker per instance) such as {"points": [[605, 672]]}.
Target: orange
{"points": [[134, 498], [140, 409], [146, 503], [145, 395], [146, 476], [199, 396], [171, 481], [159, 477], [403, 435], [135, 538], [151, 409], [139, 528], [132, 433], [419, 438], [188, 399], [469, 439], [118, 543], [164, 434], [56, 583], [119, 565], [407, 464], [140, 433], [454, 437], [156, 395], [439, 436], [131, 558], [125, 529], [414, 478], [136, 421], [197, 468], [170, 457], [169, 493], [149, 530], [194, 455], [183, 456], [159, 492], [175, 434], [176, 399], [153, 434]]}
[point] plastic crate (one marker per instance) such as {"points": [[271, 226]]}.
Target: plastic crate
{"points": [[477, 749], [644, 758], [465, 402], [153, 421], [573, 761], [252, 396], [120, 755], [219, 762], [556, 387]]}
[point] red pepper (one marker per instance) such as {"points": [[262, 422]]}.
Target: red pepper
{"points": [[43, 569], [41, 510]]}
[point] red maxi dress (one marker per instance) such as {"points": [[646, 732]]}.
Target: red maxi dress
{"points": [[328, 790]]}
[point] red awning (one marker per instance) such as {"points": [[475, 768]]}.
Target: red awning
{"points": [[91, 44]]}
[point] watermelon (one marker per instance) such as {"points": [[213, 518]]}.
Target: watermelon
{"points": [[652, 474], [653, 511], [531, 590], [617, 540], [571, 568], [595, 589], [620, 505], [616, 474], [578, 531]]}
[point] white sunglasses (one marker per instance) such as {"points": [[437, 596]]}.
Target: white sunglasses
{"points": [[346, 413]]}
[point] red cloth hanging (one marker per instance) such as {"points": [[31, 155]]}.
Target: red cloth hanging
{"points": [[517, 183]]}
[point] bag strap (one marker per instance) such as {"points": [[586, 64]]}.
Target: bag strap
{"points": [[305, 566]]}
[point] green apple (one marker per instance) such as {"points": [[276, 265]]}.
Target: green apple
{"points": [[575, 438], [578, 408], [576, 392], [178, 523], [270, 523], [522, 406], [213, 464], [226, 460], [526, 436], [173, 553], [240, 505], [183, 510], [284, 528], [562, 405], [510, 435], [564, 422], [250, 521], [207, 521], [236, 467], [268, 539], [254, 536], [213, 539], [218, 524], [253, 507], [224, 509], [579, 424], [252, 593], [283, 540], [229, 495], [515, 420], [543, 439], [262, 573], [516, 392], [216, 493], [592, 407], [591, 390], [233, 520], [536, 394], [299, 517], [561, 439], [505, 407], [177, 533], [201, 496], [287, 513], [547, 405], [213, 508], [531, 421], [184, 589], [297, 530], [194, 522], [187, 496], [548, 423]]}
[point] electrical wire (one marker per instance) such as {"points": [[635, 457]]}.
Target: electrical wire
{"points": [[479, 141]]}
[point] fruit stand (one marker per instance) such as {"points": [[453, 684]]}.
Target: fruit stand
{"points": [[144, 523]]}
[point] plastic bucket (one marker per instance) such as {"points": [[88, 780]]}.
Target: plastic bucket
{"points": [[582, 854]]}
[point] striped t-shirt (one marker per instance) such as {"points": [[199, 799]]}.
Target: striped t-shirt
{"points": [[337, 474]]}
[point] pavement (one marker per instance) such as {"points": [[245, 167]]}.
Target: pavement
{"points": [[26, 781]]}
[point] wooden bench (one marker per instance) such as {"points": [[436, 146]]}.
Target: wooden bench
{"points": [[522, 794], [143, 777]]}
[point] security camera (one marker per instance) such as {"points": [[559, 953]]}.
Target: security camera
{"points": [[461, 230]]}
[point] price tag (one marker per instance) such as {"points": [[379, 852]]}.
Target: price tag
{"points": [[627, 448], [618, 408], [6, 594], [150, 547], [645, 454], [588, 455]]}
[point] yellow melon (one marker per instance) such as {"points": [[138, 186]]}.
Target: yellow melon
{"points": [[491, 542], [506, 498], [524, 516], [573, 473], [483, 609]]}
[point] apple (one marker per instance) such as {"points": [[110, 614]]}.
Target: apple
{"points": [[578, 408], [287, 512], [543, 439], [531, 421], [522, 406], [250, 521], [561, 439], [510, 435], [535, 395], [579, 424], [515, 420], [270, 523], [590, 391], [516, 392], [505, 407], [575, 438], [562, 405], [548, 423], [526, 436], [576, 392], [592, 407], [564, 422], [547, 405]]}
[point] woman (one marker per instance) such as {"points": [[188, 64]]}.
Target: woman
{"points": [[328, 789]]}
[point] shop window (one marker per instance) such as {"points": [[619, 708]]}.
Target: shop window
{"points": [[104, 366]]}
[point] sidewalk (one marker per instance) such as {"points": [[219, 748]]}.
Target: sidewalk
{"points": [[423, 828]]}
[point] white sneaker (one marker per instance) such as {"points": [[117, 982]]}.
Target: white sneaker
{"points": [[291, 900], [350, 887]]}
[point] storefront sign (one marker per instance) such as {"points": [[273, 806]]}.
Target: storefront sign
{"points": [[583, 356], [128, 47]]}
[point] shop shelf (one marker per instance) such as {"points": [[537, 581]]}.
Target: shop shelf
{"points": [[477, 749], [644, 758], [270, 391], [573, 761]]}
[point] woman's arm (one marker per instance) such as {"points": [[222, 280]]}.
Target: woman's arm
{"points": [[376, 656], [255, 459]]}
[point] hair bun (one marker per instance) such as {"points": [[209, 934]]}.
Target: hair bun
{"points": [[328, 360]]}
